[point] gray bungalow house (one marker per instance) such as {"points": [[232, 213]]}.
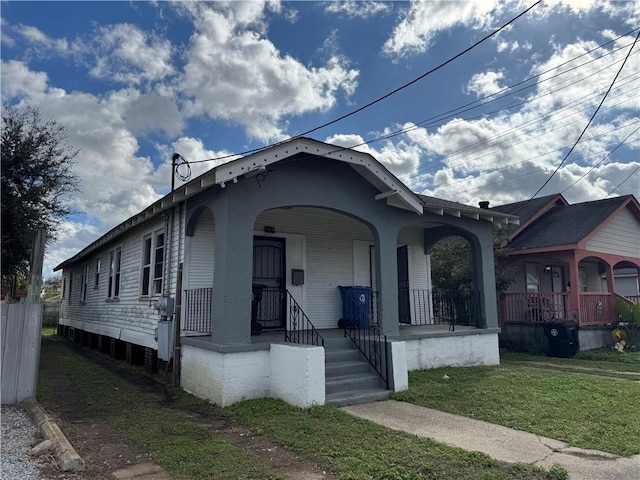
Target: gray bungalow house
{"points": [[299, 272]]}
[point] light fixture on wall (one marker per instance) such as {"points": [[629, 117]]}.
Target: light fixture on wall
{"points": [[547, 269]]}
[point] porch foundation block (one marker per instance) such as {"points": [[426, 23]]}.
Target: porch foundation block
{"points": [[298, 374], [453, 351], [224, 378], [399, 375]]}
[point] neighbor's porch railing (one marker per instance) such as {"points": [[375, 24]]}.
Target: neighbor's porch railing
{"points": [[536, 307], [441, 307], [595, 308]]}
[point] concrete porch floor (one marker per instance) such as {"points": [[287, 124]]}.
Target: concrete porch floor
{"points": [[406, 331]]}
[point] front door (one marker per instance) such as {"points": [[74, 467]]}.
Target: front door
{"points": [[268, 304], [404, 309]]}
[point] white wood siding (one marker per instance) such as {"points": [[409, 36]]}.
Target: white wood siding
{"points": [[199, 266], [130, 317], [620, 236]]}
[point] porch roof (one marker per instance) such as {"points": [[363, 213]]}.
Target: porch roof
{"points": [[390, 188]]}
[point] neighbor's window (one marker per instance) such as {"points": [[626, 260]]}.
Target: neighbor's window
{"points": [[582, 272], [532, 272], [114, 273], [84, 280], [152, 264], [96, 278]]}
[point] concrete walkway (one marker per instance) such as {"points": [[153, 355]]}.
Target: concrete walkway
{"points": [[498, 442]]}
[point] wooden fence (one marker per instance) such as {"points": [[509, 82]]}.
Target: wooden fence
{"points": [[21, 327]]}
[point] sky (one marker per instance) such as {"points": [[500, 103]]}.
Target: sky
{"points": [[551, 99]]}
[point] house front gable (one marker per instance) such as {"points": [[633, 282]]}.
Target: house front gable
{"points": [[618, 235]]}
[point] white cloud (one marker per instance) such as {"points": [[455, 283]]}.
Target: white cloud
{"points": [[126, 54], [358, 9], [485, 83], [18, 80], [234, 73], [423, 20]]}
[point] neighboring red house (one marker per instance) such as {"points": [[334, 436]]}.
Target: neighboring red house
{"points": [[567, 261]]}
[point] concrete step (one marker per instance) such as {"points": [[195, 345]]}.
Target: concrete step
{"points": [[354, 397], [338, 343], [337, 369], [356, 381], [342, 355]]}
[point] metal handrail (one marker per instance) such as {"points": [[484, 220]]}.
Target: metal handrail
{"points": [[368, 338], [299, 328]]}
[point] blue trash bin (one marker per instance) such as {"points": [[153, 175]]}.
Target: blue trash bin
{"points": [[356, 305]]}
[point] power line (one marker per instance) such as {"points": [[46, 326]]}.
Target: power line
{"points": [[620, 184], [584, 130], [379, 99], [601, 161]]}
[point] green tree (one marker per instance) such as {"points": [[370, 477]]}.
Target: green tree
{"points": [[36, 182], [51, 287], [452, 264]]}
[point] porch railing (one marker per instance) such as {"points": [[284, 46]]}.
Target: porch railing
{"points": [[535, 307], [197, 310], [299, 328], [442, 307], [595, 308], [365, 333]]}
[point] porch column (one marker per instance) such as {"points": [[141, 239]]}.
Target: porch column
{"points": [[231, 303], [485, 279], [574, 280], [387, 280], [608, 270]]}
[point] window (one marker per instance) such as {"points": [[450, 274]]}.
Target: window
{"points": [[582, 273], [96, 279], [113, 290], [64, 287], [84, 280], [70, 285], [152, 264], [532, 272]]}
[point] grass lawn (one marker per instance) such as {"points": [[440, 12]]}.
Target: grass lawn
{"points": [[584, 410], [348, 446]]}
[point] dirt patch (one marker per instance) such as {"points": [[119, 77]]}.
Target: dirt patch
{"points": [[106, 450]]}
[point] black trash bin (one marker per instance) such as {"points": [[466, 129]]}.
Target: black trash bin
{"points": [[563, 338], [356, 304], [256, 298]]}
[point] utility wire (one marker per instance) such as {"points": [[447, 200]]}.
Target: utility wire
{"points": [[379, 99], [583, 131], [620, 184], [601, 161]]}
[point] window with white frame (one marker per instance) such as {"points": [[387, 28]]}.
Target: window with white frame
{"points": [[84, 280], [113, 290], [152, 264], [96, 278]]}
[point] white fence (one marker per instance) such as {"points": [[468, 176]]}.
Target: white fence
{"points": [[21, 327]]}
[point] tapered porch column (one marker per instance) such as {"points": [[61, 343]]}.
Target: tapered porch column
{"points": [[231, 303], [387, 280]]}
